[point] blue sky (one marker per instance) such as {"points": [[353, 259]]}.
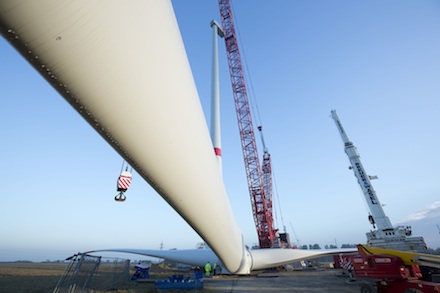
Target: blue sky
{"points": [[375, 62]]}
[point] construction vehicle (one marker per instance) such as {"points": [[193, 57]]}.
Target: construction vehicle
{"points": [[259, 179], [385, 236], [394, 271]]}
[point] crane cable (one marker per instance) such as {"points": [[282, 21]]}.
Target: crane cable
{"points": [[252, 96], [255, 109], [371, 219], [278, 200], [126, 167]]}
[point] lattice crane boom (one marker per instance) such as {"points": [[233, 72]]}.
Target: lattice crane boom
{"points": [[262, 214], [266, 169]]}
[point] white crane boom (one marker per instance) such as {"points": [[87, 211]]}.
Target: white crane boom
{"points": [[386, 236], [377, 212]]}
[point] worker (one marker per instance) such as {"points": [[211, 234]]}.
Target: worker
{"points": [[207, 269], [214, 269]]}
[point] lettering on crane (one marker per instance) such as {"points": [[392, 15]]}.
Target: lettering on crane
{"points": [[366, 184]]}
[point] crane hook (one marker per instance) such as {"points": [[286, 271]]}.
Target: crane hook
{"points": [[120, 196], [123, 183]]}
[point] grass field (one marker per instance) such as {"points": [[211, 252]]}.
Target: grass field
{"points": [[43, 278], [30, 277]]}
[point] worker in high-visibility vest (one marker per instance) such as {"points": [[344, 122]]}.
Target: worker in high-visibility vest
{"points": [[214, 269], [208, 269]]}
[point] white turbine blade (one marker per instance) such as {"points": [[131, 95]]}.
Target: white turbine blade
{"points": [[122, 63], [261, 258], [270, 258], [195, 257]]}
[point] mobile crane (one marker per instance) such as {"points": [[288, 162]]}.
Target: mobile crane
{"points": [[259, 179], [385, 236]]}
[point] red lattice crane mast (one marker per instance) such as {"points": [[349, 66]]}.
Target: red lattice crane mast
{"points": [[259, 198]]}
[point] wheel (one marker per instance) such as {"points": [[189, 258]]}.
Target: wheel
{"points": [[368, 288]]}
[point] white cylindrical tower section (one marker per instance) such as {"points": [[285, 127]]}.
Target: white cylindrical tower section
{"points": [[215, 95]]}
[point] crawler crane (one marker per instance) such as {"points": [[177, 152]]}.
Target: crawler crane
{"points": [[259, 179], [385, 236]]}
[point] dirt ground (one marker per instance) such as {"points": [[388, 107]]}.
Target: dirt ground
{"points": [[43, 277]]}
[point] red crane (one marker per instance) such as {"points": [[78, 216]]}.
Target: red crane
{"points": [[266, 168], [261, 201]]}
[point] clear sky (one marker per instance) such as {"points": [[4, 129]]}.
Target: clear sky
{"points": [[376, 62]]}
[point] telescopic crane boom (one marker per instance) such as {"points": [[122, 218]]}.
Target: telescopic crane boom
{"points": [[378, 216], [386, 236]]}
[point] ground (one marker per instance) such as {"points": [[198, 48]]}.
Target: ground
{"points": [[43, 277]]}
